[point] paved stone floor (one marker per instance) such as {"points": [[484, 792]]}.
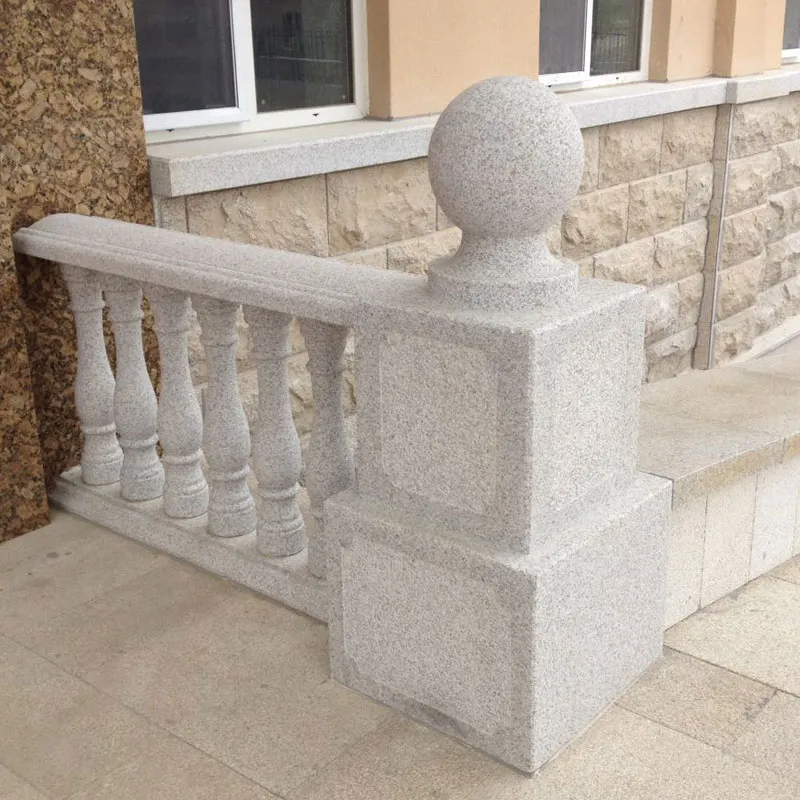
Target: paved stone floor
{"points": [[125, 674]]}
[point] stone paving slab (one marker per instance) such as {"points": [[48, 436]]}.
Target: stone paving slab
{"points": [[754, 632], [155, 680]]}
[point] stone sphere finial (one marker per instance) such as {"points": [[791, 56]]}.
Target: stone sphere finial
{"points": [[505, 159]]}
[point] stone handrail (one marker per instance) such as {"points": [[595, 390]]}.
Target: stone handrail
{"points": [[306, 286], [122, 261]]}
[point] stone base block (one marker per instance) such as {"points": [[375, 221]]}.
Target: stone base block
{"points": [[514, 654]]}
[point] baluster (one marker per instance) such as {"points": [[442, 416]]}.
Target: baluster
{"points": [[135, 408], [329, 462], [180, 423], [276, 450], [101, 459], [226, 438]]}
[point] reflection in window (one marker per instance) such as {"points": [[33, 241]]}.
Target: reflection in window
{"points": [[616, 36], [791, 26], [562, 36], [302, 51], [185, 55]]}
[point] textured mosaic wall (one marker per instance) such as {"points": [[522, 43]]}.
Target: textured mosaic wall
{"points": [[71, 140]]}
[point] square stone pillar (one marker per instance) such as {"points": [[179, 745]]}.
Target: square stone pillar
{"points": [[499, 570]]}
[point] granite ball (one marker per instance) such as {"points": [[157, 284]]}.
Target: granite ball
{"points": [[505, 158]]}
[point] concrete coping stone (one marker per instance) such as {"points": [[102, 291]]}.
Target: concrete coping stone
{"points": [[215, 163], [707, 429]]}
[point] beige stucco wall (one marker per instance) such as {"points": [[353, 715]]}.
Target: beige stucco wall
{"points": [[422, 54], [697, 38], [682, 41], [744, 31]]}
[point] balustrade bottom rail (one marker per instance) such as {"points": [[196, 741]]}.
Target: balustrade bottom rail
{"points": [[287, 580]]}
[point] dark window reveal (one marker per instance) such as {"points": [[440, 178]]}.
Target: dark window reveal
{"points": [[302, 51], [185, 55]]}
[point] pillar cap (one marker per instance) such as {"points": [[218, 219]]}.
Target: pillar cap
{"points": [[505, 159]]}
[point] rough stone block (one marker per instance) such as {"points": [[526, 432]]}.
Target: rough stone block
{"points": [[629, 263], [749, 180], [739, 286], [734, 335], [508, 388], [699, 191], [554, 239], [782, 261], [788, 176], [595, 222], [414, 255], [775, 305], [170, 213], [656, 204], [673, 307], [630, 150], [680, 252], [744, 236], [591, 160], [377, 205], [671, 356], [288, 215], [368, 258], [515, 655], [759, 126], [688, 138], [782, 215], [442, 221], [769, 309]]}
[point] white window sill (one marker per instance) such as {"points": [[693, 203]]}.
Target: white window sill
{"points": [[206, 165]]}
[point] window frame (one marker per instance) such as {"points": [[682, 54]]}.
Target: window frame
{"points": [[244, 116], [583, 79]]}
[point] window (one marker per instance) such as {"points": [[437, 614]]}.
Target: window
{"points": [[791, 30], [229, 66], [593, 41]]}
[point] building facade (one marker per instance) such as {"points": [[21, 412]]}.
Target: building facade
{"points": [[691, 127], [303, 125]]}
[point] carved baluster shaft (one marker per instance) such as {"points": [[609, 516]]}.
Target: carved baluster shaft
{"points": [[135, 407], [276, 450], [329, 462], [101, 460], [180, 424], [226, 438]]}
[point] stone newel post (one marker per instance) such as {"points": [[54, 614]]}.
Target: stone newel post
{"points": [[499, 570]]}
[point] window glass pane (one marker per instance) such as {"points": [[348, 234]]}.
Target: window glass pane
{"points": [[185, 54], [302, 51], [616, 36], [562, 31], [791, 27]]}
